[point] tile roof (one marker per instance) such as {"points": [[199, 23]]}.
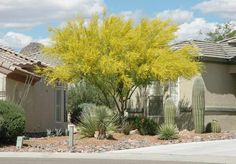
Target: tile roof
{"points": [[33, 50], [222, 50], [12, 60]]}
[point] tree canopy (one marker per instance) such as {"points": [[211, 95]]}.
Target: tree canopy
{"points": [[117, 56], [222, 31]]}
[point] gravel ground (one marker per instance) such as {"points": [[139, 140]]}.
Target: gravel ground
{"points": [[120, 142]]}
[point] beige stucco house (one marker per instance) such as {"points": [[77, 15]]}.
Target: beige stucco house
{"points": [[219, 76], [44, 104]]}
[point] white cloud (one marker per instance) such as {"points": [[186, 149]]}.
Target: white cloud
{"points": [[15, 40], [18, 25], [45, 41], [177, 16], [28, 13], [134, 15], [224, 8], [19, 40], [192, 30]]}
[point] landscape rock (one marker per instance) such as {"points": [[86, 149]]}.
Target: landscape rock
{"points": [[119, 142], [96, 134], [134, 132], [197, 139]]}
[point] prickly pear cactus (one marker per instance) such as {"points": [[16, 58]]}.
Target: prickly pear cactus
{"points": [[215, 126], [198, 105], [169, 112]]}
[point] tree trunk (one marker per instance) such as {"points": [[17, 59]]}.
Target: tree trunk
{"points": [[102, 134]]}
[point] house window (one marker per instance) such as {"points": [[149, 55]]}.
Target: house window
{"points": [[60, 103], [155, 105], [155, 99], [65, 109]]}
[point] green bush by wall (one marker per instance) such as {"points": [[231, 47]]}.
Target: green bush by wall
{"points": [[12, 121], [146, 126]]}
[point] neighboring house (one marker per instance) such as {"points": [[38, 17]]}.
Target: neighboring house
{"points": [[44, 104], [219, 76]]}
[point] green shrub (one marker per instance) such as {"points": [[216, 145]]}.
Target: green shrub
{"points": [[1, 124], [168, 132], [13, 121], [127, 127], [149, 127], [97, 118], [135, 121], [146, 126]]}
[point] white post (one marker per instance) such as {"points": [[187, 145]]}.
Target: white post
{"points": [[71, 136], [19, 142]]}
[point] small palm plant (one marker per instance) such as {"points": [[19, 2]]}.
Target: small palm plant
{"points": [[97, 118]]}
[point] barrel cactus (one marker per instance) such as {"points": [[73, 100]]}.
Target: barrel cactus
{"points": [[215, 126], [198, 105], [169, 111]]}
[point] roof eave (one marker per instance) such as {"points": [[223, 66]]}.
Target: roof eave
{"points": [[215, 59]]}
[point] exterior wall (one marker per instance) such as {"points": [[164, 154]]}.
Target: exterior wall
{"points": [[227, 121], [39, 105], [220, 87]]}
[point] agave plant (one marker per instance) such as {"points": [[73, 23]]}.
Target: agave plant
{"points": [[97, 118], [168, 132], [49, 133], [58, 132]]}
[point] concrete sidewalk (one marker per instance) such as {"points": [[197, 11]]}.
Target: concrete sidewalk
{"points": [[200, 152]]}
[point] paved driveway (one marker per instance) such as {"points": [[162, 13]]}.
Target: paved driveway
{"points": [[218, 148], [223, 151]]}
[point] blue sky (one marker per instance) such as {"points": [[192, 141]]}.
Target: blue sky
{"points": [[22, 22]]}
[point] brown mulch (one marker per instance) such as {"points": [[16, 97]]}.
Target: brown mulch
{"points": [[119, 142]]}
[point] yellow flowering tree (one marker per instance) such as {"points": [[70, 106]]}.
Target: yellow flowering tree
{"points": [[117, 56]]}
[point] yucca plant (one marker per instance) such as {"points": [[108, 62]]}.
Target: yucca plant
{"points": [[168, 132], [97, 118]]}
